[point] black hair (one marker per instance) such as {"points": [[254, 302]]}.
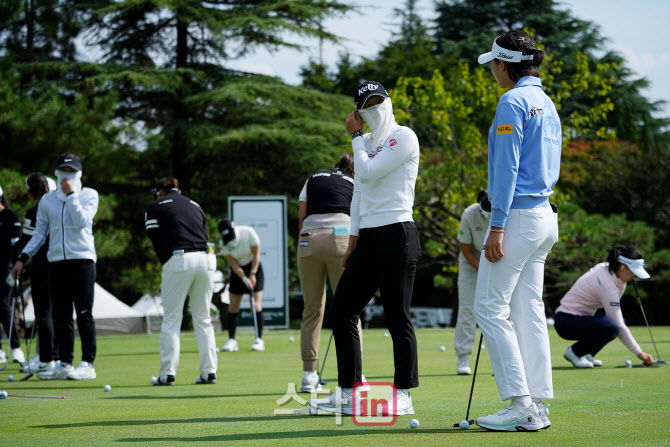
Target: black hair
{"points": [[626, 252], [37, 185], [517, 40], [483, 200], [346, 164]]}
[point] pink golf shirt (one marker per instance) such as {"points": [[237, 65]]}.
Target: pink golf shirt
{"points": [[595, 289]]}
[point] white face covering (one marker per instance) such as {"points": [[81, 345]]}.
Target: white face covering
{"points": [[75, 180], [381, 121]]}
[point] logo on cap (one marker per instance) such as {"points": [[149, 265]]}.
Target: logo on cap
{"points": [[366, 88]]}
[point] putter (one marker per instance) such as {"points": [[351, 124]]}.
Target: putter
{"points": [[474, 375], [658, 356], [9, 333], [323, 365], [253, 310]]}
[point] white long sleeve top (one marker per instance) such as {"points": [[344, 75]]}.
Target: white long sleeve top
{"points": [[384, 180]]}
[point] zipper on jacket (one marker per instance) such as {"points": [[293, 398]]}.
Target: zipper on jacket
{"points": [[62, 226]]}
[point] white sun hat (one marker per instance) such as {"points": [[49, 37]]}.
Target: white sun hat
{"points": [[636, 266], [498, 52]]}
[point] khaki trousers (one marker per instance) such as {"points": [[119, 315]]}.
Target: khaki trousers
{"points": [[319, 256]]}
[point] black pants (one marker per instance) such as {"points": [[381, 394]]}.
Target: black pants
{"points": [[73, 282], [6, 310], [592, 332], [385, 258], [39, 285]]}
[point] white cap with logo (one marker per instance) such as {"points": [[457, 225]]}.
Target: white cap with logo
{"points": [[636, 266], [498, 52]]}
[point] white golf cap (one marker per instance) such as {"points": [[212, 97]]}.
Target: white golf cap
{"points": [[498, 52], [1, 192], [636, 266]]}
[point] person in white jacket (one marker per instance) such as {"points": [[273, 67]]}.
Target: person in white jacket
{"points": [[66, 216], [383, 248]]}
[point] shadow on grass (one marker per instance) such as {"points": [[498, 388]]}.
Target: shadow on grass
{"points": [[296, 434]]}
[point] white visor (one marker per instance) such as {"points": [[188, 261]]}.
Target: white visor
{"points": [[636, 266], [498, 52]]}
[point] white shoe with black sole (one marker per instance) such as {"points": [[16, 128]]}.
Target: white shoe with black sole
{"points": [[310, 382], [84, 371], [58, 372]]}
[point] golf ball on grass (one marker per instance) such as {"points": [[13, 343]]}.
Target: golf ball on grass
{"points": [[10, 378], [414, 423], [3, 394], [442, 348], [464, 425], [107, 388], [629, 364], [154, 380], [386, 334], [291, 339]]}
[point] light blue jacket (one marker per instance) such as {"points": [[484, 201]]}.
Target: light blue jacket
{"points": [[68, 224], [524, 150]]}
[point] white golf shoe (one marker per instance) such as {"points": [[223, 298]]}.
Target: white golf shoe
{"points": [[31, 365], [58, 372], [595, 362], [38, 367], [310, 382], [230, 345], [543, 412], [18, 356], [463, 367], [577, 362], [258, 345], [84, 371], [3, 357], [338, 402], [512, 418], [403, 403]]}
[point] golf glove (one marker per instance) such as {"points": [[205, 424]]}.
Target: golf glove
{"points": [[246, 282], [11, 281]]}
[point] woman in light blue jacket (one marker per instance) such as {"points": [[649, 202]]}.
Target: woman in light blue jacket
{"points": [[523, 160]]}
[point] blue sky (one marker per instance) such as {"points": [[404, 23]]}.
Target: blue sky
{"points": [[639, 31]]}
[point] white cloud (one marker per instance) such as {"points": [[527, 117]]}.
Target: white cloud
{"points": [[639, 63]]}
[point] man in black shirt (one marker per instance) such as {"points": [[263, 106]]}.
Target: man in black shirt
{"points": [[177, 228]]}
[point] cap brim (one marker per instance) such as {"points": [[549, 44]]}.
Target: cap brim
{"points": [[486, 57], [639, 272], [364, 100], [76, 167]]}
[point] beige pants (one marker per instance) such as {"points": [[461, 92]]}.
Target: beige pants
{"points": [[319, 254]]}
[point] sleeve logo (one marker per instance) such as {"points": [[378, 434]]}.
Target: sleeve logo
{"points": [[393, 142], [505, 129]]}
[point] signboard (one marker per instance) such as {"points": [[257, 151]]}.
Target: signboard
{"points": [[268, 216]]}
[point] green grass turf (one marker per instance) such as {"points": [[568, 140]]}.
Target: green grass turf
{"points": [[591, 407]]}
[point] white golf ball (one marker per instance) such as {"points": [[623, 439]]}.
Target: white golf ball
{"points": [[386, 334], [442, 348], [3, 394], [291, 339], [414, 423], [154, 380], [107, 388], [464, 424], [629, 364], [10, 378]]}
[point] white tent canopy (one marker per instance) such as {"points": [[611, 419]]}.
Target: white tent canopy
{"points": [[111, 315]]}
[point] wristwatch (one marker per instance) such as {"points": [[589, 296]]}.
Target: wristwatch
{"points": [[356, 133]]}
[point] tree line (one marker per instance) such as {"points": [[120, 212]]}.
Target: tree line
{"points": [[158, 100]]}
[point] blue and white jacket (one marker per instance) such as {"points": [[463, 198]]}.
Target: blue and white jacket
{"points": [[524, 150]]}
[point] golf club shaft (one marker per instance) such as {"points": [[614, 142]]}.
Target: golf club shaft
{"points": [[9, 333], [36, 396], [253, 311], [637, 294], [323, 364], [474, 374]]}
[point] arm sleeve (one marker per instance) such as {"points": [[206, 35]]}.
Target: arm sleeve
{"points": [[464, 231], [355, 211], [370, 168], [152, 227], [612, 305], [15, 235], [28, 229], [40, 233], [253, 238], [83, 207], [508, 129]]}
